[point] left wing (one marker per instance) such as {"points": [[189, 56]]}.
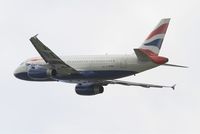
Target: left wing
{"points": [[126, 83], [51, 58]]}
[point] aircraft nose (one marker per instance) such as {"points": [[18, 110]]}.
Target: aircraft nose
{"points": [[21, 73]]}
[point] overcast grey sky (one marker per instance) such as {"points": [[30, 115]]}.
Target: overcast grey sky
{"points": [[71, 27]]}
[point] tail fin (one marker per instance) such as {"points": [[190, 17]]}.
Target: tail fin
{"points": [[154, 41]]}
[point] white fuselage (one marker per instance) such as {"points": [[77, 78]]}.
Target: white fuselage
{"points": [[90, 67], [128, 62]]}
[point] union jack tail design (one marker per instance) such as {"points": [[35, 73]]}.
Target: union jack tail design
{"points": [[154, 41]]}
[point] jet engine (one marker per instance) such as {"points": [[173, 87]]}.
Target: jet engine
{"points": [[86, 89]]}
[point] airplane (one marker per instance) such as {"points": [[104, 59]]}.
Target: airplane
{"points": [[92, 72]]}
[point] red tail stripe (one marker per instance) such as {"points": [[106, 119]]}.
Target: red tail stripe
{"points": [[160, 30]]}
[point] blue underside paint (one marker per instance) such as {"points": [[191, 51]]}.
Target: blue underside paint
{"points": [[22, 76], [25, 76], [40, 73], [156, 43], [84, 75], [109, 74]]}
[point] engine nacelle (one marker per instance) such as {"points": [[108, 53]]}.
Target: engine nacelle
{"points": [[39, 72], [82, 89]]}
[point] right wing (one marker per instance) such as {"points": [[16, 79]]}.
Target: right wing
{"points": [[51, 58], [126, 83]]}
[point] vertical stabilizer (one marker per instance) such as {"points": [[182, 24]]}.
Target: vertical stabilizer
{"points": [[154, 41]]}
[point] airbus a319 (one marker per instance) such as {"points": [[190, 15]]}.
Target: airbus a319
{"points": [[92, 72]]}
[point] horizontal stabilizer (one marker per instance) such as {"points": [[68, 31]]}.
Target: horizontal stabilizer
{"points": [[173, 65]]}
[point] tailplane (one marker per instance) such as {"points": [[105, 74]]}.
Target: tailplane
{"points": [[154, 41], [173, 65]]}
